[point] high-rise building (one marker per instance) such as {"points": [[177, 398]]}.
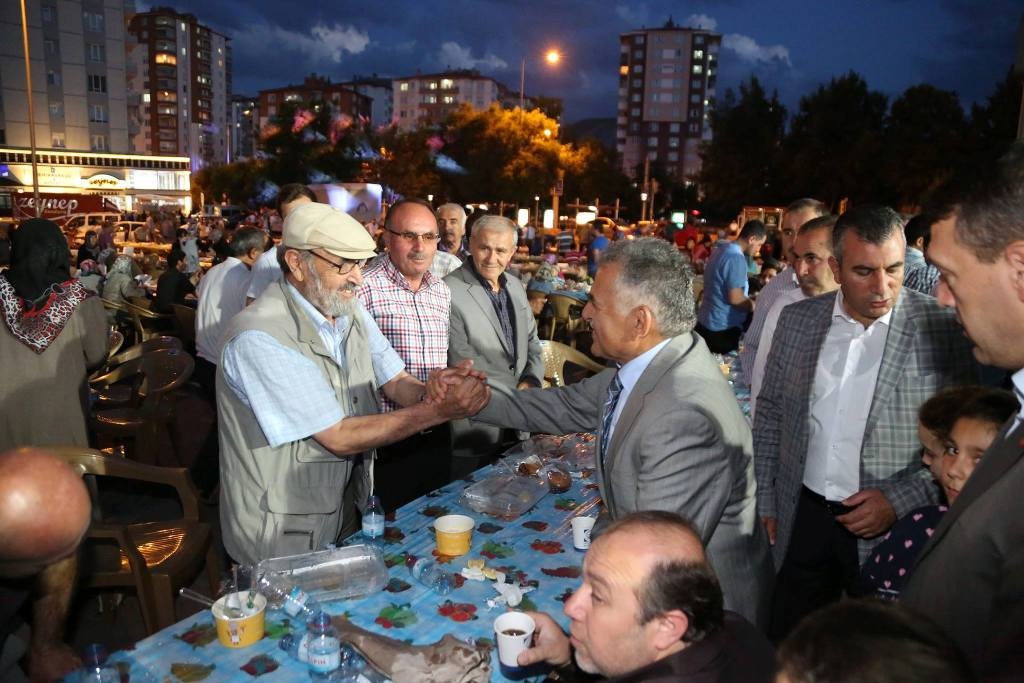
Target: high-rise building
{"points": [[78, 75], [179, 77], [666, 89], [379, 91], [423, 100], [243, 126], [82, 145], [314, 91]]}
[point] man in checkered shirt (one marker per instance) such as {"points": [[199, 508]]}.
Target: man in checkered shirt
{"points": [[411, 306]]}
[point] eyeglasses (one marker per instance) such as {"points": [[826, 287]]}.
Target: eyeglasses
{"points": [[346, 265], [413, 236]]}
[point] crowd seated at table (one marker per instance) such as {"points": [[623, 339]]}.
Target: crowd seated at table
{"points": [[884, 458]]}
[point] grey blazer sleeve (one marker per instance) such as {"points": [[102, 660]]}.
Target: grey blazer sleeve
{"points": [[767, 433], [458, 338], [558, 410], [534, 369]]}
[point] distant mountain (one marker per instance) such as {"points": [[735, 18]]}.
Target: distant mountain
{"points": [[602, 130]]}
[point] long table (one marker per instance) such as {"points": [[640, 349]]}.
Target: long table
{"points": [[535, 550]]}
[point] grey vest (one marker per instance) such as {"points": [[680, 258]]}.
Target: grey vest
{"points": [[288, 500]]}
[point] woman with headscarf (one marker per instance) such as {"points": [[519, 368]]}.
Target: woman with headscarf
{"points": [[120, 283], [54, 331], [90, 249]]}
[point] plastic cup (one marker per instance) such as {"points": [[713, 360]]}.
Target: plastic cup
{"points": [[581, 528], [453, 533], [514, 632], [241, 631]]}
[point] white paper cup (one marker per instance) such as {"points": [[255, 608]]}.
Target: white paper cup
{"points": [[581, 528], [510, 645]]}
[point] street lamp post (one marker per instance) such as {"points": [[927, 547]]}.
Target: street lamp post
{"points": [[643, 206], [536, 208], [31, 110], [552, 57]]}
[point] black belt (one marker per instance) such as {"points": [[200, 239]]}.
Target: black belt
{"points": [[834, 508]]}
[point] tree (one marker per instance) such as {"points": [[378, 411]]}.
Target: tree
{"points": [[508, 155], [923, 142], [406, 164], [740, 165], [835, 141], [993, 127], [311, 142]]}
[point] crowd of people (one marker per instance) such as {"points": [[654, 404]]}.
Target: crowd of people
{"points": [[866, 521]]}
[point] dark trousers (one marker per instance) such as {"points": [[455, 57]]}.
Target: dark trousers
{"points": [[206, 468], [412, 467], [723, 341], [820, 564]]}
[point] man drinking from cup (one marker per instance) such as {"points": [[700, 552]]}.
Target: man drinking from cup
{"points": [[650, 607]]}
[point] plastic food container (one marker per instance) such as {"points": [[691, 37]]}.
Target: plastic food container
{"points": [[336, 574], [504, 495]]}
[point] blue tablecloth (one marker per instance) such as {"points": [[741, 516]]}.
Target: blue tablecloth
{"points": [[536, 549]]}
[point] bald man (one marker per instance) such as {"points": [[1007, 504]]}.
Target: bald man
{"points": [[44, 513], [650, 609]]}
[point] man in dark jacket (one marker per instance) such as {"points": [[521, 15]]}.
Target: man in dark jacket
{"points": [[650, 610]]}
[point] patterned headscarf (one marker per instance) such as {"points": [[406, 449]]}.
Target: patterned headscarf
{"points": [[122, 264], [37, 294]]}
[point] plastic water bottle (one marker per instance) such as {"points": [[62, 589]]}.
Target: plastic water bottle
{"points": [[324, 649], [428, 573], [96, 669], [373, 521], [296, 645], [285, 595]]}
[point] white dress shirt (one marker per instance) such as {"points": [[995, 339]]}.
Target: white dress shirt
{"points": [[629, 374], [265, 271], [764, 345], [1018, 389], [844, 384], [221, 295]]}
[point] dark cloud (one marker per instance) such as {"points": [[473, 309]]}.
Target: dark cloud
{"points": [[791, 45]]}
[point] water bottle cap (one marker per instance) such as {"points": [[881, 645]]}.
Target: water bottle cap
{"points": [[321, 620], [286, 641], [410, 561]]}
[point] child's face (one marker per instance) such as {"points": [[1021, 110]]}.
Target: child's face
{"points": [[932, 446], [968, 440]]}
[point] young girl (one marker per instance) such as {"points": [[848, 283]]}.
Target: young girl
{"points": [[956, 426]]}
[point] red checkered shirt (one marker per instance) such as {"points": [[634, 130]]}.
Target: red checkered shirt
{"points": [[416, 323]]}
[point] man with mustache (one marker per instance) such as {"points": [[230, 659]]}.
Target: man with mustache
{"points": [[297, 395], [835, 440], [411, 305]]}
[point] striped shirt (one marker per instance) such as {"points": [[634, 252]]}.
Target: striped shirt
{"points": [[415, 322]]}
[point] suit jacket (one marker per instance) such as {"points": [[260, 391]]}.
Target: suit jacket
{"points": [[475, 332], [736, 653], [925, 351], [681, 443], [969, 578]]}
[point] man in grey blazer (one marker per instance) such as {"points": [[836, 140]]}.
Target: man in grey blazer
{"points": [[969, 578], [491, 324], [670, 433], [835, 445]]}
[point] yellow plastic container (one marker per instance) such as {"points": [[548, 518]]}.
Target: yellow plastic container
{"points": [[453, 533], [241, 631]]}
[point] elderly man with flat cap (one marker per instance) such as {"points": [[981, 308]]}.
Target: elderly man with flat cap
{"points": [[297, 395]]}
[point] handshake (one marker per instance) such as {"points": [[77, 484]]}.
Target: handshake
{"points": [[458, 391]]}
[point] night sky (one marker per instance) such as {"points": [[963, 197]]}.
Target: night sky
{"points": [[791, 45]]}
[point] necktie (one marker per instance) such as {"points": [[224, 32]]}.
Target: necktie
{"points": [[612, 399]]}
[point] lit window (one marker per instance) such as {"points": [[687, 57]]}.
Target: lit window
{"points": [[97, 113], [697, 68], [57, 140], [162, 58], [449, 99], [56, 110], [673, 142], [403, 86], [698, 54], [447, 83], [98, 143], [432, 85]]}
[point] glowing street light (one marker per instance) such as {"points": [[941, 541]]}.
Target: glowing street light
{"points": [[552, 57]]}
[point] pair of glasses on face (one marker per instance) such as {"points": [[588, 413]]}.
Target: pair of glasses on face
{"points": [[413, 237], [346, 265]]}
